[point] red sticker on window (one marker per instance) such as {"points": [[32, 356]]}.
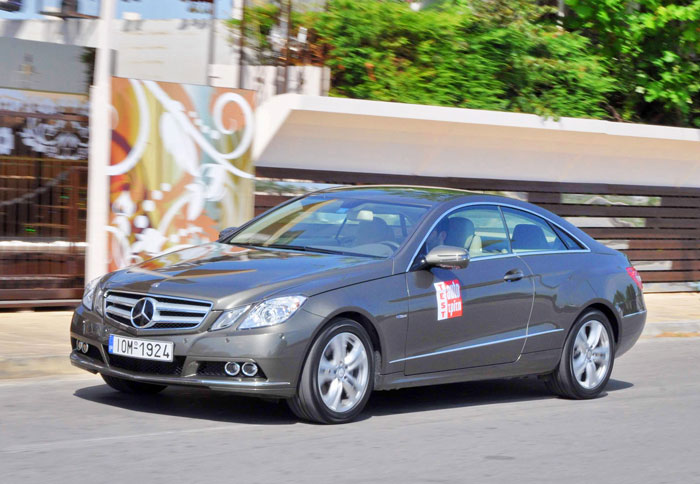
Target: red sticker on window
{"points": [[449, 299]]}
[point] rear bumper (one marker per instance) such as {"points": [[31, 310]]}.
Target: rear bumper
{"points": [[259, 388], [631, 327]]}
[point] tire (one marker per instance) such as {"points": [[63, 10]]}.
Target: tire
{"points": [[584, 370], [322, 402], [133, 387]]}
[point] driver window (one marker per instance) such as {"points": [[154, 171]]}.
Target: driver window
{"points": [[478, 229]]}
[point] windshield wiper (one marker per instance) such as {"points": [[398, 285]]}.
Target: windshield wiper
{"points": [[308, 248], [303, 248], [245, 244]]}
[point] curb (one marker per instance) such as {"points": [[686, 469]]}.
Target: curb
{"points": [[36, 366], [671, 329]]}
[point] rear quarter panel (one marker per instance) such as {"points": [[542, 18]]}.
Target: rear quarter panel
{"points": [[562, 291], [613, 284], [566, 284]]}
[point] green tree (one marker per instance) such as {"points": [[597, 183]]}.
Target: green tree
{"points": [[653, 50], [487, 54]]}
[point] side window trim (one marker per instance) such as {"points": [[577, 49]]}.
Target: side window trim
{"points": [[559, 231], [505, 228], [466, 206], [505, 225], [556, 228], [584, 247], [545, 223]]}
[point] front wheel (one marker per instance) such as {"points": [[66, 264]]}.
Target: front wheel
{"points": [[337, 378], [135, 387], [587, 359]]}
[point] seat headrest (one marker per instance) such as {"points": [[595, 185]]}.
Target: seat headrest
{"points": [[528, 237], [459, 231], [370, 232], [365, 215]]}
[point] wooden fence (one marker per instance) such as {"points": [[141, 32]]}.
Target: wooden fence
{"points": [[42, 230], [43, 209]]}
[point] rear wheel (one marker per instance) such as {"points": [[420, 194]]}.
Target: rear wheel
{"points": [[135, 387], [337, 378], [587, 359]]}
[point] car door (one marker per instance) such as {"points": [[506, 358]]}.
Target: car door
{"points": [[554, 258], [461, 318]]}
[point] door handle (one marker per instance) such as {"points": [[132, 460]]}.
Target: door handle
{"points": [[513, 275]]}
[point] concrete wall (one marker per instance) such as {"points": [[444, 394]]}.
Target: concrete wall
{"points": [[42, 67], [162, 50], [324, 133]]}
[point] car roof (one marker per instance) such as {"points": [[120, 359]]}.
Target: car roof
{"points": [[415, 195]]}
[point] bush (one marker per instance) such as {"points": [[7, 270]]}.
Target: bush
{"points": [[486, 55]]}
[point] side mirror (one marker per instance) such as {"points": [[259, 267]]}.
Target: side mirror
{"points": [[227, 232], [448, 257]]}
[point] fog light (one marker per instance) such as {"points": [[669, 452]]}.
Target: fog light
{"points": [[250, 369], [232, 368]]}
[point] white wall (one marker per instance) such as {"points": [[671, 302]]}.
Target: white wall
{"points": [[378, 137], [264, 80], [164, 50]]}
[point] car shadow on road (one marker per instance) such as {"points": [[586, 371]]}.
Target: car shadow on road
{"points": [[222, 407], [194, 403], [458, 395]]}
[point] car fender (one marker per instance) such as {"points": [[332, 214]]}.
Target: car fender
{"points": [[380, 303]]}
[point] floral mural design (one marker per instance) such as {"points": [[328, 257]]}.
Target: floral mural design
{"points": [[180, 169], [44, 124]]}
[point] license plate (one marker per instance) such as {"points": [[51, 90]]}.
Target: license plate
{"points": [[144, 349]]}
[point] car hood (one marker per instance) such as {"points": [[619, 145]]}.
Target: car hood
{"points": [[231, 275]]}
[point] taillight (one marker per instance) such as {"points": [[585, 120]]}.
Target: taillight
{"points": [[635, 275]]}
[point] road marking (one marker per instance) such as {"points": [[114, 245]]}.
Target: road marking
{"points": [[76, 443]]}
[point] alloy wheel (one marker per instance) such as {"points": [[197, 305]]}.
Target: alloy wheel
{"points": [[590, 358], [343, 372]]}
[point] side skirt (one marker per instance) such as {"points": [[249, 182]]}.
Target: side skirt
{"points": [[536, 363]]}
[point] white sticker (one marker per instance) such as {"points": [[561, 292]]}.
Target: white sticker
{"points": [[449, 299]]}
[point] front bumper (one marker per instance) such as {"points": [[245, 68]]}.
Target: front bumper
{"points": [[279, 351], [252, 387]]}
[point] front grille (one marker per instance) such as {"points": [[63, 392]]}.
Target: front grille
{"points": [[149, 367], [170, 312]]}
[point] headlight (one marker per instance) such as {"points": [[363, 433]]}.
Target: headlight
{"points": [[271, 312], [227, 318], [97, 300], [89, 293]]}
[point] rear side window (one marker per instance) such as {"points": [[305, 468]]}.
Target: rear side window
{"points": [[568, 240], [530, 233]]}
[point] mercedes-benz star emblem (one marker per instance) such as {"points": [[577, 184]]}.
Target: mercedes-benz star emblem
{"points": [[143, 312]]}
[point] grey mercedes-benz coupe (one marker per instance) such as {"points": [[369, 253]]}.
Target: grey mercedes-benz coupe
{"points": [[341, 292]]}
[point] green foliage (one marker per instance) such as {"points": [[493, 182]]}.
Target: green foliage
{"points": [[492, 54], [613, 59], [653, 48], [260, 20]]}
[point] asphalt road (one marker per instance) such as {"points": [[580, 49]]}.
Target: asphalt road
{"points": [[646, 429]]}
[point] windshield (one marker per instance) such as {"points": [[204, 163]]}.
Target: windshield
{"points": [[322, 223]]}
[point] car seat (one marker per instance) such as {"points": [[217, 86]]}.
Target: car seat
{"points": [[529, 237]]}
